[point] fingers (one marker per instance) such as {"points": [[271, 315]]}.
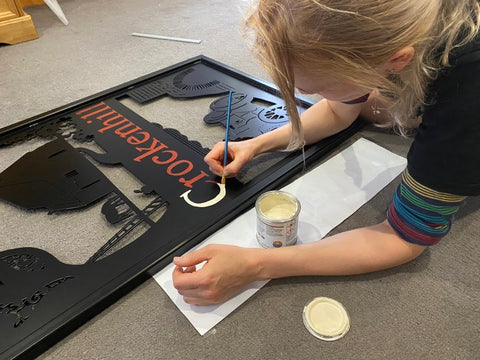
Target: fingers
{"points": [[184, 279], [196, 296], [191, 283], [187, 284], [194, 258], [185, 275], [189, 269], [215, 281], [214, 159], [201, 296], [200, 301], [232, 169]]}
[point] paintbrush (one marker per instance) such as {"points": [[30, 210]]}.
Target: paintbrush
{"points": [[227, 130]]}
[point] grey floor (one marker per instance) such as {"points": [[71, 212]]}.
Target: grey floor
{"points": [[427, 309]]}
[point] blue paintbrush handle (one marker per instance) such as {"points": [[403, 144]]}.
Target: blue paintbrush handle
{"points": [[227, 129]]}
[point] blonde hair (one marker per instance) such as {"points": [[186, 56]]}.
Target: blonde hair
{"points": [[352, 39]]}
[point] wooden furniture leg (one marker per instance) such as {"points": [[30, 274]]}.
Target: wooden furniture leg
{"points": [[15, 25]]}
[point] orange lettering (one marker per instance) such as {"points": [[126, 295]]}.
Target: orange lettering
{"points": [[95, 112], [110, 125], [173, 156], [107, 114], [150, 150], [189, 183], [135, 140], [89, 108], [124, 134], [183, 172]]}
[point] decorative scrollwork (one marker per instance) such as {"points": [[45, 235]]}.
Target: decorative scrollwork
{"points": [[23, 262], [30, 301], [63, 126]]}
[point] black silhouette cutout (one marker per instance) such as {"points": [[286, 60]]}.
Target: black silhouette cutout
{"points": [[43, 299]]}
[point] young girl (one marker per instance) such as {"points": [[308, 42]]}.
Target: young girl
{"points": [[395, 62]]}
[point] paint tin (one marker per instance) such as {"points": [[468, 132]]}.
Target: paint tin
{"points": [[277, 219]]}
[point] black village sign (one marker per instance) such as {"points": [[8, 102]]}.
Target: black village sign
{"points": [[43, 299]]}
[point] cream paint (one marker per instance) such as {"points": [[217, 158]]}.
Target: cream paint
{"points": [[278, 207], [326, 318], [280, 211], [221, 194]]}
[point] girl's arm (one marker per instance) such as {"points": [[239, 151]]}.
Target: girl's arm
{"points": [[228, 269], [357, 251], [321, 120]]}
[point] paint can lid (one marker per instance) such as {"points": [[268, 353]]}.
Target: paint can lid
{"points": [[326, 319]]}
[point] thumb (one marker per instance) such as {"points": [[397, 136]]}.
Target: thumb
{"points": [[192, 259], [232, 169]]}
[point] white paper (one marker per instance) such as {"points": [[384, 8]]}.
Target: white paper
{"points": [[328, 195]]}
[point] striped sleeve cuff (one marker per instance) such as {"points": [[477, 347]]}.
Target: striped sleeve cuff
{"points": [[422, 215]]}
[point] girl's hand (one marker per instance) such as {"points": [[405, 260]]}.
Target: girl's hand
{"points": [[239, 153], [228, 269]]}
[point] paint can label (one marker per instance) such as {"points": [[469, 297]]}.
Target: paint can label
{"points": [[277, 219]]}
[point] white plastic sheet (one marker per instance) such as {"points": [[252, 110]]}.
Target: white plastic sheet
{"points": [[328, 195]]}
